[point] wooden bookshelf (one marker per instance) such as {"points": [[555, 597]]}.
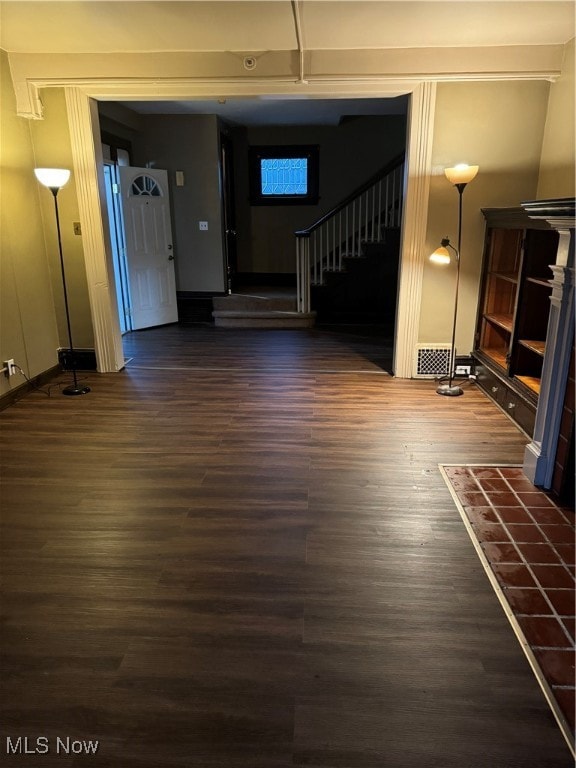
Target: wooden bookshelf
{"points": [[504, 321], [514, 308], [510, 277], [539, 347], [497, 356], [531, 382], [538, 281]]}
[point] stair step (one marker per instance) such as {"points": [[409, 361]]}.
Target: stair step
{"points": [[260, 310], [263, 319], [248, 303]]}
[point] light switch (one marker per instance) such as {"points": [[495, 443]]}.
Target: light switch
{"points": [[179, 178], [203, 225]]}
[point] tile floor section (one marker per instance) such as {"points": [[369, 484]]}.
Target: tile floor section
{"points": [[528, 542]]}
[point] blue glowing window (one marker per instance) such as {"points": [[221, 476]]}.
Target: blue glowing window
{"points": [[284, 176]]}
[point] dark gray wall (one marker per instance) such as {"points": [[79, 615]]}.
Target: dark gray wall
{"points": [[189, 143], [349, 154]]}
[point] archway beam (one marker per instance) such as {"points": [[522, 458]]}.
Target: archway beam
{"points": [[165, 75]]}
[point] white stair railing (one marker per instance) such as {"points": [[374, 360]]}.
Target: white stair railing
{"points": [[361, 218]]}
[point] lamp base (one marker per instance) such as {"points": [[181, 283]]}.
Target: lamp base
{"points": [[75, 390], [450, 391]]}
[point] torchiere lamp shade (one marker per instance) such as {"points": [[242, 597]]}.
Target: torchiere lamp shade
{"points": [[53, 178], [461, 173]]}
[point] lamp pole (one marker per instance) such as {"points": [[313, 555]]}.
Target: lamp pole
{"points": [[54, 179], [460, 187], [442, 256], [459, 176]]}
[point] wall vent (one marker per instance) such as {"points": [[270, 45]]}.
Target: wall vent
{"points": [[432, 360]]}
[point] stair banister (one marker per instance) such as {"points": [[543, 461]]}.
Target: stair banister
{"points": [[385, 171], [321, 246]]}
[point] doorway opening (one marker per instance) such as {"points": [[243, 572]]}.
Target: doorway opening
{"points": [[142, 248], [401, 329]]}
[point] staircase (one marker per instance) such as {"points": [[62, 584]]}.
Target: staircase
{"points": [[346, 266], [363, 291], [260, 308], [347, 261]]}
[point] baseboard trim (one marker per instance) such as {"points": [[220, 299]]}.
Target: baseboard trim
{"points": [[82, 359], [9, 398], [194, 307]]}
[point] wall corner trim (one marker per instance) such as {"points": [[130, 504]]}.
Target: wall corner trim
{"points": [[415, 220], [88, 166]]}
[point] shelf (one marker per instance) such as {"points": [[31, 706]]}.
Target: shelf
{"points": [[510, 277], [514, 310], [534, 346], [531, 382], [539, 281], [496, 355], [503, 321]]}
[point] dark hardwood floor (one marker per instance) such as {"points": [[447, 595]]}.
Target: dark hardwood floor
{"points": [[240, 552]]}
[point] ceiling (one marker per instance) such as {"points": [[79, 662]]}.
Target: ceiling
{"points": [[253, 28], [223, 25], [267, 111]]}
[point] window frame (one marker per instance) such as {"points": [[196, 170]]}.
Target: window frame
{"points": [[283, 151]]}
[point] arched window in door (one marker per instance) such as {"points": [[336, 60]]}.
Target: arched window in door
{"points": [[145, 186]]}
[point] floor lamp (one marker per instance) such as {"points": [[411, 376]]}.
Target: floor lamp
{"points": [[54, 179], [460, 175]]}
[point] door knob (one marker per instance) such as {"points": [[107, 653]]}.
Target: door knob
{"points": [[171, 257]]}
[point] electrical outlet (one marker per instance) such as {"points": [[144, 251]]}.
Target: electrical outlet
{"points": [[203, 226], [9, 367], [463, 370]]}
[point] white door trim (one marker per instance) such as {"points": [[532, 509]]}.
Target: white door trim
{"points": [[420, 136], [89, 177]]}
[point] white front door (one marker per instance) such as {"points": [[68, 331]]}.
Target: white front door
{"points": [[149, 249]]}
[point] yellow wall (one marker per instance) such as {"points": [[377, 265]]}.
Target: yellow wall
{"points": [[498, 126], [28, 331], [51, 141], [32, 319], [558, 150]]}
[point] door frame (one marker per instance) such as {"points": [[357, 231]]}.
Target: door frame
{"points": [[118, 246], [230, 245], [87, 157]]}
